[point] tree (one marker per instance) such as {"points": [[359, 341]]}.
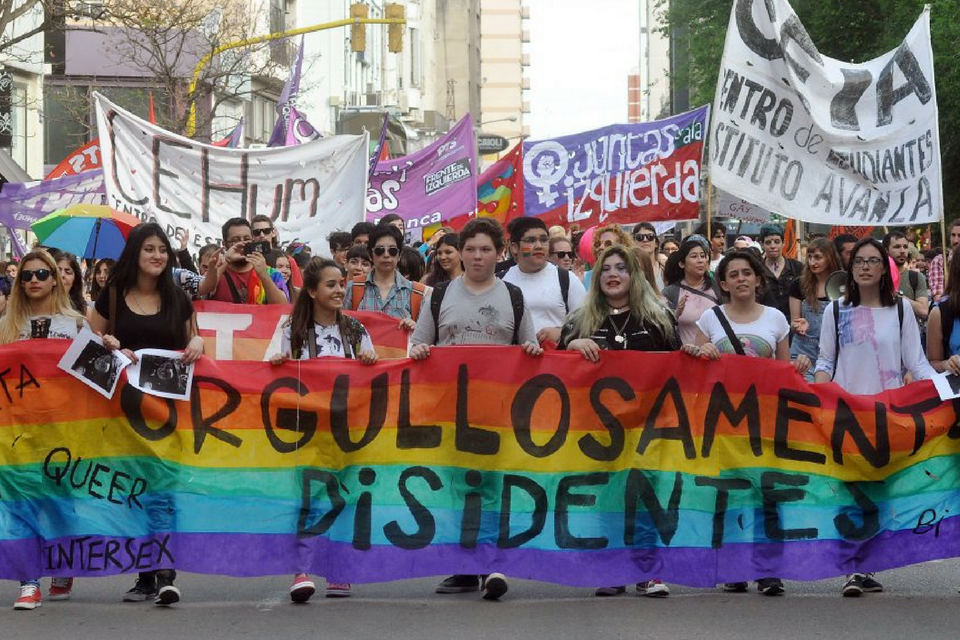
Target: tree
{"points": [[12, 11], [850, 30]]}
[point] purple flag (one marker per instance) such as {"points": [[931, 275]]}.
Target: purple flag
{"points": [[292, 127], [23, 203], [375, 156], [428, 187]]}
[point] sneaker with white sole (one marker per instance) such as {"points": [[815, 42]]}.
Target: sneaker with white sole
{"points": [[145, 589], [870, 585], [853, 587], [653, 589], [302, 588], [167, 594], [30, 597], [60, 589], [338, 590], [494, 586]]}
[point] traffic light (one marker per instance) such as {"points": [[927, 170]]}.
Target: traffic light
{"points": [[395, 31], [358, 31]]}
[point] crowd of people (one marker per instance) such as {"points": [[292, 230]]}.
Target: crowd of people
{"points": [[526, 285]]}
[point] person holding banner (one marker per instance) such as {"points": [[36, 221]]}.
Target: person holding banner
{"points": [[690, 290], [39, 307], [476, 308], [242, 276], [384, 290], [318, 328], [142, 308], [808, 299], [867, 340], [743, 326]]}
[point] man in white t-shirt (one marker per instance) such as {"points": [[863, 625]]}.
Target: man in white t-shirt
{"points": [[549, 293]]}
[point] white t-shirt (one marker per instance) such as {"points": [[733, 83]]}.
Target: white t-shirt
{"points": [[57, 326], [873, 348], [542, 297], [759, 338], [329, 342]]}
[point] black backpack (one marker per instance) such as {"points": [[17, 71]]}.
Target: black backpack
{"points": [[516, 301]]}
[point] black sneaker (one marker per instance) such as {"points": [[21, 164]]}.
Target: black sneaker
{"points": [[770, 586], [870, 585], [735, 587], [459, 584], [494, 586], [853, 587], [167, 594], [142, 591]]}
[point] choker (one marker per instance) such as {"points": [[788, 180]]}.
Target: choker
{"points": [[615, 311]]}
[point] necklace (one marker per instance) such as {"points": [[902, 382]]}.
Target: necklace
{"points": [[136, 301], [618, 332], [615, 311]]}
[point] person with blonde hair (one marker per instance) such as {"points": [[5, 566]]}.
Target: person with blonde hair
{"points": [[39, 307], [622, 312], [557, 231]]}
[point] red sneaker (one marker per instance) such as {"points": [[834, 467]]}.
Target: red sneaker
{"points": [[302, 588], [30, 598], [60, 589], [338, 590]]}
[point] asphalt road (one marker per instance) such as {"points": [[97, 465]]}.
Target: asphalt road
{"points": [[920, 603]]}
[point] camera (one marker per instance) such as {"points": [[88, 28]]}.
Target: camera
{"points": [[261, 246]]}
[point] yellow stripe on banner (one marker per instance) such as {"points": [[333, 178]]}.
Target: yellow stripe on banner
{"points": [[116, 438]]}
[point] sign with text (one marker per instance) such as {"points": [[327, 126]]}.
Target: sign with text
{"points": [[478, 459], [820, 140], [23, 203], [307, 190], [428, 187], [623, 173]]}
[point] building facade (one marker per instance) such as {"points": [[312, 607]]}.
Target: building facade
{"points": [[503, 66]]}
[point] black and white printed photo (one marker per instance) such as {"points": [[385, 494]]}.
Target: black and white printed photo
{"points": [[98, 365], [164, 375]]}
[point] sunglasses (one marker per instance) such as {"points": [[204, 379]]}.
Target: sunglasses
{"points": [[563, 254], [42, 274], [644, 237], [393, 251], [262, 232]]}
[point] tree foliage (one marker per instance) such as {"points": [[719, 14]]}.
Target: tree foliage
{"points": [[849, 30]]}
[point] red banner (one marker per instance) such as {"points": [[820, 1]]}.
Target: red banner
{"points": [[83, 159], [253, 332]]}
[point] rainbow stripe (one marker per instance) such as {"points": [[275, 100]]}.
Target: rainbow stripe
{"points": [[477, 460]]}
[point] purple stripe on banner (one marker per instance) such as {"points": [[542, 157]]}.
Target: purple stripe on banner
{"points": [[255, 555]]}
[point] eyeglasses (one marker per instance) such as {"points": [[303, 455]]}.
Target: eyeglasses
{"points": [[262, 232], [645, 237], [870, 262], [563, 254], [393, 251], [535, 240], [42, 274]]}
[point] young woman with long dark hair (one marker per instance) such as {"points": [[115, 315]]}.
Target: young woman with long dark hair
{"points": [[318, 328], [744, 326], [141, 307], [72, 278], [690, 290], [38, 307], [868, 338], [99, 276], [445, 263]]}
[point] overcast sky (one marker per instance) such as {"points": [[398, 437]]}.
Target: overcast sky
{"points": [[581, 52]]}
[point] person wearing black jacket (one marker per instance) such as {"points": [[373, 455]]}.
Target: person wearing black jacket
{"points": [[784, 270]]}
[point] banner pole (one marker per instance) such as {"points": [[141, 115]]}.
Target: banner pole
{"points": [[709, 208], [943, 242]]}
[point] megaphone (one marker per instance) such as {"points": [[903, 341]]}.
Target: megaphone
{"points": [[836, 285]]}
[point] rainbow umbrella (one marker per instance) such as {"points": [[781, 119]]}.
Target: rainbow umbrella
{"points": [[86, 230]]}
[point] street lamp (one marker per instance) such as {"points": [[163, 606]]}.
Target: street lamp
{"points": [[510, 119]]}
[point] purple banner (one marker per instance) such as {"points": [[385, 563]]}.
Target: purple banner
{"points": [[23, 203], [621, 173], [435, 184]]}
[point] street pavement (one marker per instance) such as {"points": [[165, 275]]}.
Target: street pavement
{"points": [[920, 603]]}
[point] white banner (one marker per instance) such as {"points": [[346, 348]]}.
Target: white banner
{"points": [[821, 140], [307, 190], [726, 205]]}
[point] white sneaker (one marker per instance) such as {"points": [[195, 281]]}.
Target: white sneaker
{"points": [[653, 589]]}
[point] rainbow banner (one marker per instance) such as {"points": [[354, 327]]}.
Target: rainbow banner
{"points": [[476, 460], [253, 331]]}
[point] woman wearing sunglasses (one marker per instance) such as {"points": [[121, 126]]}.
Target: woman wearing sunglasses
{"points": [[384, 289], [39, 307], [645, 237]]}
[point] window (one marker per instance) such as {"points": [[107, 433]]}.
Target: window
{"points": [[65, 114]]}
